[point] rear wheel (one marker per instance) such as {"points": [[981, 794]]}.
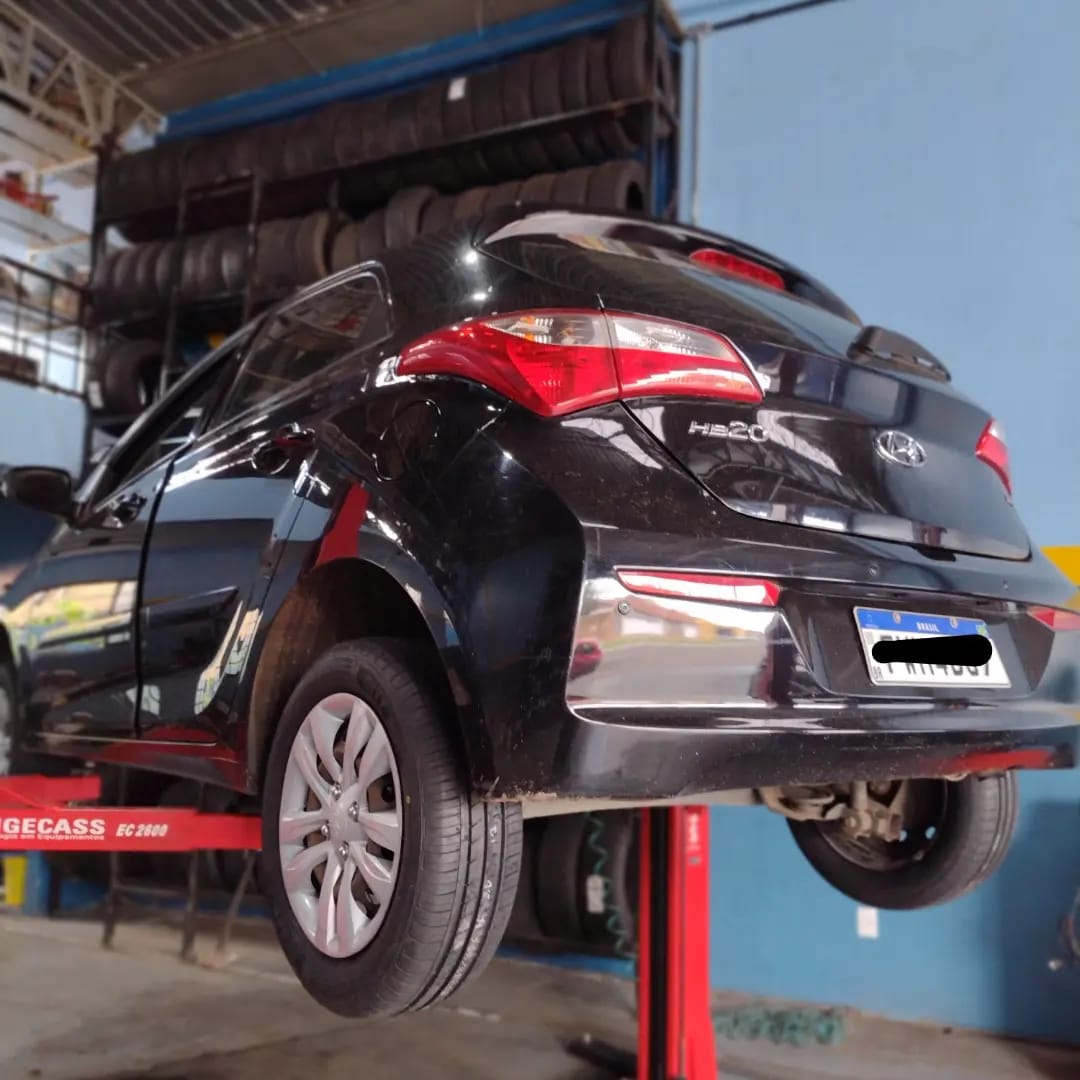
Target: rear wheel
{"points": [[955, 835], [390, 885]]}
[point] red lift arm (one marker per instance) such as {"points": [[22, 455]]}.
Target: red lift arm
{"points": [[36, 815], [675, 1036]]}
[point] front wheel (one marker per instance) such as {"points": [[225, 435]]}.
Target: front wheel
{"points": [[389, 884], [955, 835]]}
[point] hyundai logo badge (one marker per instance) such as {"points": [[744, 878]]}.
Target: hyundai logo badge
{"points": [[900, 449]]}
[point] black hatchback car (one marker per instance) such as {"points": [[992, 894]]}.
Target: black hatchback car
{"points": [[551, 511]]}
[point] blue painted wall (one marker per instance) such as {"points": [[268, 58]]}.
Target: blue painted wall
{"points": [[923, 159]]}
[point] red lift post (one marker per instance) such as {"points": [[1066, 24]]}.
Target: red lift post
{"points": [[675, 1036]]}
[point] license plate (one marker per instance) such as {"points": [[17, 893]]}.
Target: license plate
{"points": [[876, 624]]}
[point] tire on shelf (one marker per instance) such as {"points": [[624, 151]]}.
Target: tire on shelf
{"points": [[470, 203], [234, 258], [300, 148], [457, 118], [538, 189], [145, 292], [429, 115], [445, 887], [243, 152], [190, 283], [956, 833], [371, 236], [206, 162], [274, 259], [471, 166], [572, 187], [617, 185], [557, 908], [515, 88], [164, 271], [404, 213], [344, 250], [545, 91], [489, 114], [311, 237], [505, 194], [628, 62], [574, 73], [599, 81], [438, 214], [402, 124], [169, 165], [129, 374]]}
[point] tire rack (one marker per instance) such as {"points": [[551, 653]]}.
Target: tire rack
{"points": [[660, 161]]}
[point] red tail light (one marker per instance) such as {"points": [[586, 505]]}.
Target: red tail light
{"points": [[1056, 618], [715, 259], [991, 449], [721, 588], [557, 362]]}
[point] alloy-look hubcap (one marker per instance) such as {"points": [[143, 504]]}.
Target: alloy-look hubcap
{"points": [[339, 825]]}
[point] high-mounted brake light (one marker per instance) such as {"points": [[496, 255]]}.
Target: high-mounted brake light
{"points": [[1056, 618], [557, 362], [992, 450], [715, 259], [722, 588]]}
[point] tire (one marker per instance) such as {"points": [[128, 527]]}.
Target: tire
{"points": [[190, 266], [234, 259], [457, 112], [404, 213], [617, 185], [274, 257], [503, 195], [343, 254], [972, 823], [209, 273], [438, 214], [608, 876], [572, 187], [371, 236], [538, 189], [452, 880], [310, 236], [546, 92], [558, 909], [429, 115], [470, 203], [628, 62], [574, 73], [129, 376], [599, 81]]}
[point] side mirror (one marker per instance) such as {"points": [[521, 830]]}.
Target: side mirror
{"points": [[39, 488]]}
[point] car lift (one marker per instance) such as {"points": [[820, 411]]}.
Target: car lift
{"points": [[675, 1036]]}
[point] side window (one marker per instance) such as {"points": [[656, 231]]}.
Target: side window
{"points": [[170, 427], [303, 338]]}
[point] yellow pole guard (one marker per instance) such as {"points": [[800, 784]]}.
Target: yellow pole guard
{"points": [[14, 877]]}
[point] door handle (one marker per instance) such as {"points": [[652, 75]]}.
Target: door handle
{"points": [[272, 455], [123, 510], [292, 436]]}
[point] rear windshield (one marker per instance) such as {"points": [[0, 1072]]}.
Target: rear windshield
{"points": [[632, 275]]}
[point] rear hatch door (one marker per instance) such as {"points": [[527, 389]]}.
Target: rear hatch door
{"points": [[850, 436]]}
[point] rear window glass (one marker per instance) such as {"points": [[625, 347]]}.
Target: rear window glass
{"points": [[657, 281]]}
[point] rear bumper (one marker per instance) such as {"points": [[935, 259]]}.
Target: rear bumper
{"points": [[620, 755], [670, 698]]}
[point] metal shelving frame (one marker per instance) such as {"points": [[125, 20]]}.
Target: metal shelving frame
{"points": [[659, 154]]}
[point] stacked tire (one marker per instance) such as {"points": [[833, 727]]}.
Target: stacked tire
{"points": [[579, 884], [407, 139]]}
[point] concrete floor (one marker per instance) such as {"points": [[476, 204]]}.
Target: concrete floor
{"points": [[70, 1010]]}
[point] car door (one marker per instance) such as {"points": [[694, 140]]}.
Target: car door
{"points": [[228, 505], [73, 613]]}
